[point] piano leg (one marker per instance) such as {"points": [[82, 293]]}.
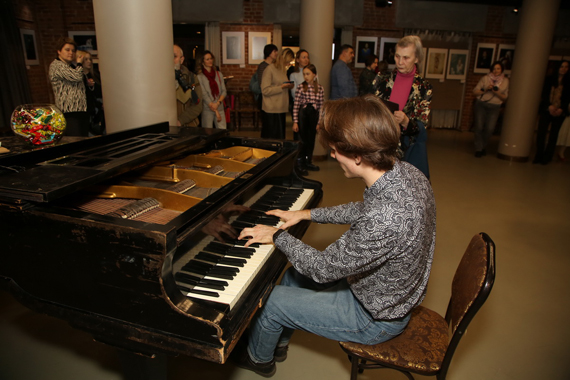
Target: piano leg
{"points": [[142, 367]]}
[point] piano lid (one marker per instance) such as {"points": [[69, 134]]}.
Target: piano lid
{"points": [[43, 175]]}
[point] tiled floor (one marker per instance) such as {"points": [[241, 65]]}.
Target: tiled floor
{"points": [[521, 333]]}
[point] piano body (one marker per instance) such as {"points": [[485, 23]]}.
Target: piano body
{"points": [[114, 235]]}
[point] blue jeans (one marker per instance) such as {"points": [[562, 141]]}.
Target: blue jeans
{"points": [[329, 310], [486, 116]]}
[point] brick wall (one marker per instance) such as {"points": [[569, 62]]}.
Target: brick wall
{"points": [[492, 35], [52, 19], [241, 76]]}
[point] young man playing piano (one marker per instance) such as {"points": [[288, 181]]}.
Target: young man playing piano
{"points": [[363, 286]]}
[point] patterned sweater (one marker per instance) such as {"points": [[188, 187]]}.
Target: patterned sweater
{"points": [[418, 106], [68, 87], [387, 253]]}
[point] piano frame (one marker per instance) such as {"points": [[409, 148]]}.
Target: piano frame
{"points": [[112, 277]]}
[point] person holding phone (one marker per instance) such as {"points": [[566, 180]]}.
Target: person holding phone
{"points": [[94, 95], [491, 91], [275, 88], [66, 77], [412, 93]]}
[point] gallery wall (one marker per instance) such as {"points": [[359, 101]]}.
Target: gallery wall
{"points": [[494, 25]]}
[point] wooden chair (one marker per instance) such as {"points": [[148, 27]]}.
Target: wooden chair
{"points": [[427, 344], [246, 106]]}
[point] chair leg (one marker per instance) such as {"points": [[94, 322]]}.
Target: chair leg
{"points": [[360, 368], [353, 367]]}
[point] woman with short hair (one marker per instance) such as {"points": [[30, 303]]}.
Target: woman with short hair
{"points": [[412, 94], [66, 77], [491, 91]]}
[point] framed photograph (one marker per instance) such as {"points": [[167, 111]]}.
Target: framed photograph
{"points": [[233, 48], [484, 57], [85, 41], [436, 62], [365, 46], [388, 51], [256, 43], [457, 64], [30, 47], [505, 56]]}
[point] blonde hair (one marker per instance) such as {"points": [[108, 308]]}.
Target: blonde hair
{"points": [[83, 53], [285, 57], [416, 42]]}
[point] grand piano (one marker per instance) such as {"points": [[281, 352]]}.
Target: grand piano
{"points": [[131, 236]]}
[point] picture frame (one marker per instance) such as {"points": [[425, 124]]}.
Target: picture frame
{"points": [[436, 62], [233, 49], [388, 51], [30, 47], [256, 43], [506, 55], [457, 64], [364, 47], [85, 40], [484, 57]]}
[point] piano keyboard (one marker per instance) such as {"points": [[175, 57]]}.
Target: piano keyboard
{"points": [[221, 272]]}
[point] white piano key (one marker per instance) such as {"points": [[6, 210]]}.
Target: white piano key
{"points": [[238, 285]]}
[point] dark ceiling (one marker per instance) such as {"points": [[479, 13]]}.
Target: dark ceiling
{"points": [[564, 4]]}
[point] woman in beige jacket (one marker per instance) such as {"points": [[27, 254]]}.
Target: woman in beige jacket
{"points": [[275, 93]]}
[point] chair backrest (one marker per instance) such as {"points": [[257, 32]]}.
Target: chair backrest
{"points": [[472, 283], [246, 99]]}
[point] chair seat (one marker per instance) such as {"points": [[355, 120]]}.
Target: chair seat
{"points": [[420, 348]]}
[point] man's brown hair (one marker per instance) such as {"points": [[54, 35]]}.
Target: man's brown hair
{"points": [[361, 126]]}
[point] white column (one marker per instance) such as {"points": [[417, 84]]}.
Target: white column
{"points": [[316, 36], [538, 20], [134, 42]]}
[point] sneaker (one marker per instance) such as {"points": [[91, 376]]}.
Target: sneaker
{"points": [[313, 168], [262, 369], [280, 354]]}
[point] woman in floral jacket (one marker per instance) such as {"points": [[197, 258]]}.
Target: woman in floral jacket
{"points": [[412, 93]]}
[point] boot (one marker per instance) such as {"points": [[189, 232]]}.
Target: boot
{"points": [[300, 165], [309, 165]]}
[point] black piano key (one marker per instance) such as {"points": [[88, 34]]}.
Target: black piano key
{"points": [[242, 225], [210, 270], [241, 243], [201, 292], [217, 259], [200, 279], [181, 277], [246, 253]]}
